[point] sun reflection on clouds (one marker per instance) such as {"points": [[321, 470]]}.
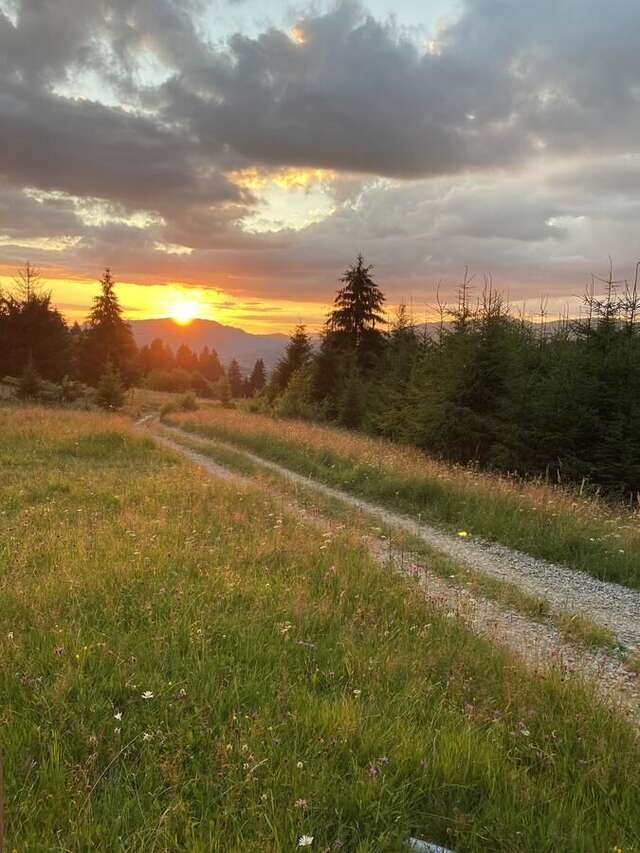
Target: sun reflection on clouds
{"points": [[296, 33], [289, 198]]}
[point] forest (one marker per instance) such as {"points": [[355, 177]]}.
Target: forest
{"points": [[556, 400]]}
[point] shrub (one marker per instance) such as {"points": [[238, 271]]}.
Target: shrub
{"points": [[30, 383], [296, 401], [110, 391], [188, 402]]}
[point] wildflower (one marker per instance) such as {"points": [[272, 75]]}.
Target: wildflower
{"points": [[181, 693], [117, 730], [357, 692], [373, 771], [300, 765], [147, 694], [10, 635], [147, 736], [305, 841], [337, 844], [300, 804], [118, 715], [462, 533]]}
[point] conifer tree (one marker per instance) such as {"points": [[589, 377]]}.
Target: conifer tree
{"points": [[258, 377], [32, 330], [296, 355], [357, 313], [108, 337], [234, 376]]}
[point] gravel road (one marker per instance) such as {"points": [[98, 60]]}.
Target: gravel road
{"points": [[538, 644], [609, 604]]}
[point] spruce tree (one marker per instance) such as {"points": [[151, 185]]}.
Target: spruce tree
{"points": [[258, 377], [357, 313], [297, 354], [31, 330], [108, 337], [234, 375]]}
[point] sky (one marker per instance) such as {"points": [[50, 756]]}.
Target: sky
{"points": [[231, 157]]}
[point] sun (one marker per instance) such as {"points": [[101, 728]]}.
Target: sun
{"points": [[184, 311]]}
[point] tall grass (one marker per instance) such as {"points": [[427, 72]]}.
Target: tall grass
{"points": [[552, 523], [291, 686]]}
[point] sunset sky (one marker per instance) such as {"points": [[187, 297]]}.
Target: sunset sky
{"points": [[235, 155]]}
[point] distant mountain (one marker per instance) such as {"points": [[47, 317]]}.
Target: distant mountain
{"points": [[227, 341]]}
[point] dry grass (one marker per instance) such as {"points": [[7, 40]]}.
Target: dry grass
{"points": [[295, 687], [548, 521]]}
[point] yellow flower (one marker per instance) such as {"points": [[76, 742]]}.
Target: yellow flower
{"points": [[462, 533]]}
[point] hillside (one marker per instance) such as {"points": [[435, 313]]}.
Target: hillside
{"points": [[228, 341], [193, 660]]}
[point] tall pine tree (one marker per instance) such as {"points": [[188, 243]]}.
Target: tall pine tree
{"points": [[108, 338]]}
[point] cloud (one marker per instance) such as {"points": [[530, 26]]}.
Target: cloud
{"points": [[506, 141]]}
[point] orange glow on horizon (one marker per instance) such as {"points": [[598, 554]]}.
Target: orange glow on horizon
{"points": [[182, 303], [185, 311]]}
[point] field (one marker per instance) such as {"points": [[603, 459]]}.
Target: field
{"points": [[188, 665], [554, 523]]}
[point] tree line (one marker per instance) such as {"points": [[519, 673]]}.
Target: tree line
{"points": [[51, 359], [558, 400]]}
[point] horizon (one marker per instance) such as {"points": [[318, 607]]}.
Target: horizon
{"points": [[241, 155]]}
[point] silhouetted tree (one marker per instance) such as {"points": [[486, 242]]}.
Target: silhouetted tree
{"points": [[258, 377], [32, 331], [296, 355], [234, 376], [357, 313], [108, 337]]}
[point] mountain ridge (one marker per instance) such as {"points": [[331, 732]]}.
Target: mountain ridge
{"points": [[228, 341]]}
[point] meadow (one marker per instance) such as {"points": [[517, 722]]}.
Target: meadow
{"points": [[186, 666], [552, 522]]}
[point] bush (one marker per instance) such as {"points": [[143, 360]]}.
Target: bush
{"points": [[177, 380], [168, 408], [296, 401], [188, 402], [30, 383], [110, 391]]}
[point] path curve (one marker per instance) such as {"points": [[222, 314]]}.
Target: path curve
{"points": [[609, 604], [538, 644]]}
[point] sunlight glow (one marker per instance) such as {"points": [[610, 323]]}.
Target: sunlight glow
{"points": [[185, 311]]}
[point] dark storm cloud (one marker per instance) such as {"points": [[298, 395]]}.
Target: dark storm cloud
{"points": [[84, 148], [509, 80], [509, 86]]}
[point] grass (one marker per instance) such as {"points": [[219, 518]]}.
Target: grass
{"points": [[296, 688], [553, 523], [575, 628]]}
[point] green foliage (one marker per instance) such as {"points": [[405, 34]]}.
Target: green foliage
{"points": [[32, 331], [235, 382], [296, 356], [110, 391], [258, 378], [188, 402], [30, 383], [297, 400], [108, 338], [558, 401], [274, 663]]}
